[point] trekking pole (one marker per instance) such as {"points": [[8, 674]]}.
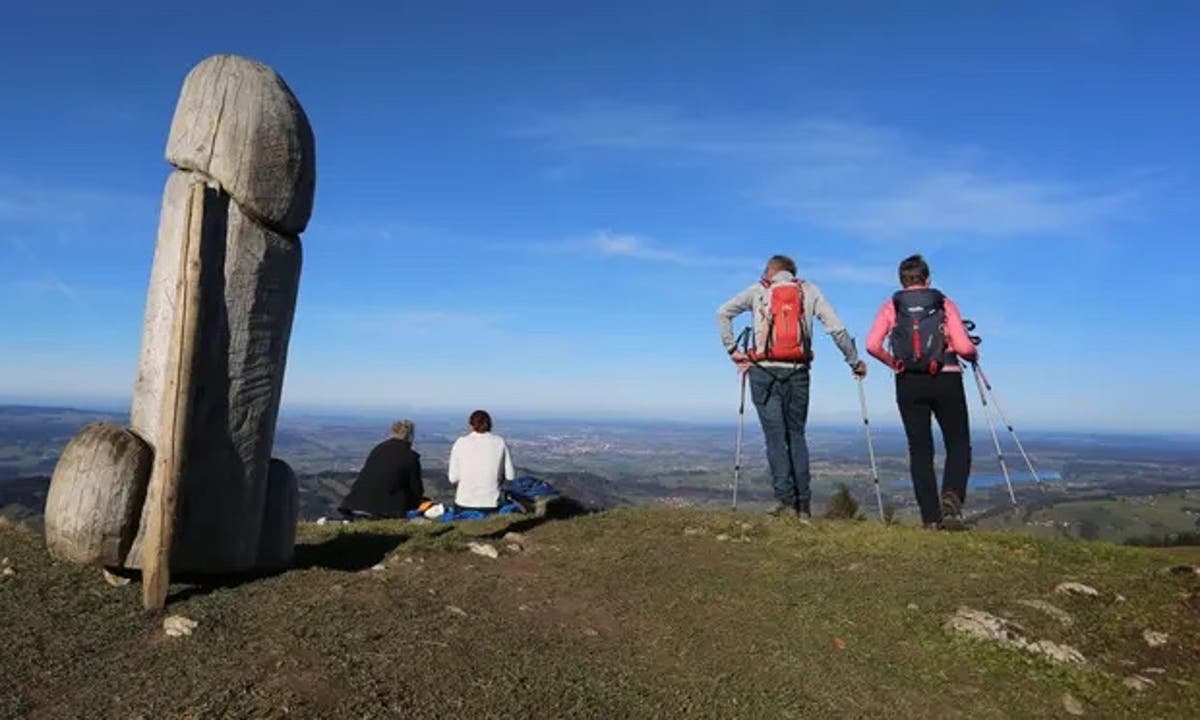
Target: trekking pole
{"points": [[995, 437], [862, 402], [737, 457], [1004, 418], [742, 343]]}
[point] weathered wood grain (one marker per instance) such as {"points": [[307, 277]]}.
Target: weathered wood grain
{"points": [[179, 390], [239, 123], [277, 541], [251, 278], [95, 498]]}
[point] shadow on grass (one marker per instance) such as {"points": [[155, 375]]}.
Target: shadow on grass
{"points": [[347, 552], [344, 552], [358, 551]]}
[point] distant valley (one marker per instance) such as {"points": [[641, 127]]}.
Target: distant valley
{"points": [[1111, 487]]}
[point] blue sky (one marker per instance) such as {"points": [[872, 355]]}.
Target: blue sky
{"points": [[537, 209]]}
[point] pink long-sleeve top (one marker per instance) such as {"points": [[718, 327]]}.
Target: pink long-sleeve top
{"points": [[956, 334]]}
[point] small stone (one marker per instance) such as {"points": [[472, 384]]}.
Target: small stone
{"points": [[747, 527], [456, 610], [483, 549], [853, 567], [513, 548], [8, 571], [1120, 598], [1139, 683], [523, 608], [1154, 671], [691, 531], [590, 632], [722, 537], [378, 566], [1057, 652], [5, 561], [514, 538], [913, 607], [115, 580], [1075, 588], [179, 626], [1072, 704], [1062, 616], [1154, 638], [322, 520]]}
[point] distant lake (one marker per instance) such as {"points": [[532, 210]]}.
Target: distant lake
{"points": [[983, 480]]}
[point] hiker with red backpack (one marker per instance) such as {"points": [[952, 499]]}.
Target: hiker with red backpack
{"points": [[927, 344], [775, 356]]}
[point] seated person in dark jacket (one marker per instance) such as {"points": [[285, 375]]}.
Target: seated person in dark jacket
{"points": [[389, 484]]}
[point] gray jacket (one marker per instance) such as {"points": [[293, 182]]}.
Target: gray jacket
{"points": [[756, 299]]}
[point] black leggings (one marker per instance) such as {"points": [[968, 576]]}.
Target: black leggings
{"points": [[920, 395]]}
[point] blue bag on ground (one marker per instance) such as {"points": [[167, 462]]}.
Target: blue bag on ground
{"points": [[527, 491], [454, 514]]}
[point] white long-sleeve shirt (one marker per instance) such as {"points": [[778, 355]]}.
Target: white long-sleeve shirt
{"points": [[479, 462]]}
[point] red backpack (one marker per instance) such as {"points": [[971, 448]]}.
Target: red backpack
{"points": [[785, 341]]}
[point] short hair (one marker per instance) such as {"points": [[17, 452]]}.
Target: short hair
{"points": [[782, 262], [403, 430], [480, 421], [913, 270]]}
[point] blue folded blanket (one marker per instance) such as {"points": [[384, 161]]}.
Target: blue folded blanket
{"points": [[528, 487], [454, 514]]}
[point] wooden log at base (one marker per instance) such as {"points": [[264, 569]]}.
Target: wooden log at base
{"points": [[170, 453], [94, 505], [277, 543]]}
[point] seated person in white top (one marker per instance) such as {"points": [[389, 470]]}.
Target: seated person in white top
{"points": [[479, 463]]}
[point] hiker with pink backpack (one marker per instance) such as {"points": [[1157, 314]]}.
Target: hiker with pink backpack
{"points": [[927, 344], [775, 355]]}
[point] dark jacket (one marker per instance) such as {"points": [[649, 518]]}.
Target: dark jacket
{"points": [[389, 483]]}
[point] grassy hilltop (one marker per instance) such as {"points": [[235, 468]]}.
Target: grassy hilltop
{"points": [[631, 613]]}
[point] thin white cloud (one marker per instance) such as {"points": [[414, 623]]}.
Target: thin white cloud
{"points": [[51, 282], [867, 180], [634, 247], [34, 204], [628, 246]]}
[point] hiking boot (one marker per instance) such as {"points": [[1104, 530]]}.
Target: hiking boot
{"points": [[804, 510], [952, 518], [781, 510]]}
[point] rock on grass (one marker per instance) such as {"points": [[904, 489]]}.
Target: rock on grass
{"points": [[1072, 705], [179, 626], [488, 551], [993, 628], [1076, 588]]}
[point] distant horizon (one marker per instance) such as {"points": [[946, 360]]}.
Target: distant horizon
{"points": [[363, 415]]}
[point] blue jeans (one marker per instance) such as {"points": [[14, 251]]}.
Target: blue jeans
{"points": [[781, 397]]}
